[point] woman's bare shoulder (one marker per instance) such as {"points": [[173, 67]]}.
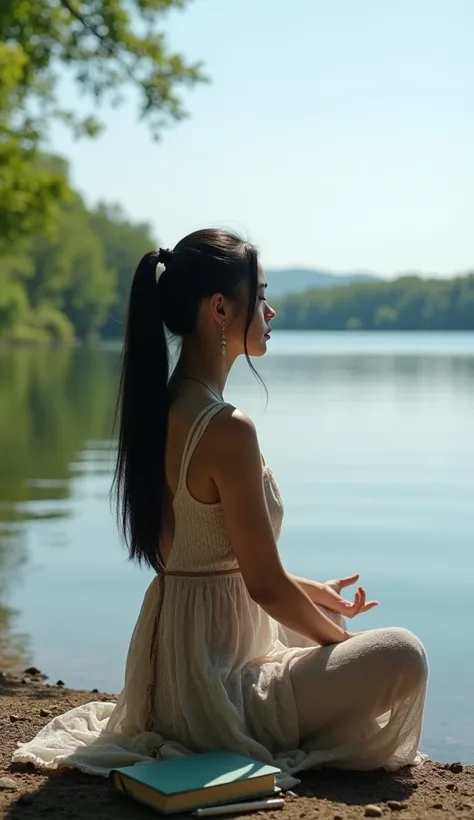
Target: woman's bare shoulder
{"points": [[232, 430], [232, 421]]}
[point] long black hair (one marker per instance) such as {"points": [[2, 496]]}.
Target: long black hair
{"points": [[203, 263]]}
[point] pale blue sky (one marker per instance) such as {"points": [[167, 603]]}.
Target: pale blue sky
{"points": [[335, 133]]}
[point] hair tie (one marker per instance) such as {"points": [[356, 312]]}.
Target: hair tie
{"points": [[159, 270], [164, 257]]}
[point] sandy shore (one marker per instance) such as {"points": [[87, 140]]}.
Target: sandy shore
{"points": [[433, 791]]}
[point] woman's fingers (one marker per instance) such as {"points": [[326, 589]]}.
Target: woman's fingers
{"points": [[347, 581], [361, 607], [369, 605], [360, 604], [356, 607], [341, 605], [353, 608]]}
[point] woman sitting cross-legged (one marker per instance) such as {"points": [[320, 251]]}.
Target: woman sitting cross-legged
{"points": [[229, 651]]}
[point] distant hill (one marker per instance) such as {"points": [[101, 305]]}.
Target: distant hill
{"points": [[283, 281]]}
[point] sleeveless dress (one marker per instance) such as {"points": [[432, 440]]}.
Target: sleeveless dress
{"points": [[208, 669]]}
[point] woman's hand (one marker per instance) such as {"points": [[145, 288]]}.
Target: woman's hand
{"points": [[329, 596]]}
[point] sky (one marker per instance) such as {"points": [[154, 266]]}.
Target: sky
{"points": [[336, 134]]}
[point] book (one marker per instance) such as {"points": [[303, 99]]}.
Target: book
{"points": [[193, 781]]}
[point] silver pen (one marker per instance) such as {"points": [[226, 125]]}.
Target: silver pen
{"points": [[236, 808]]}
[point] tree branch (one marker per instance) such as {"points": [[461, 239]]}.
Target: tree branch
{"points": [[104, 40]]}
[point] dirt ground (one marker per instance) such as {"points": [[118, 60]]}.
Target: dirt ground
{"points": [[433, 791]]}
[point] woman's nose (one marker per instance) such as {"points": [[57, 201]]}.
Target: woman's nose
{"points": [[270, 313]]}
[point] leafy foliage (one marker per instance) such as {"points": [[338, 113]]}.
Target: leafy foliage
{"points": [[75, 281], [407, 303], [108, 47]]}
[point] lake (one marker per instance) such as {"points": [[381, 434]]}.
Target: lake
{"points": [[372, 440]]}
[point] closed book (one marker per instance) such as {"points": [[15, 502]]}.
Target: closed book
{"points": [[193, 781]]}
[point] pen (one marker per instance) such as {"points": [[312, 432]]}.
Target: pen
{"points": [[237, 808]]}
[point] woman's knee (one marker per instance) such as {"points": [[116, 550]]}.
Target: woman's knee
{"points": [[407, 657]]}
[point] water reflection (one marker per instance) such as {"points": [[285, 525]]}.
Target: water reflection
{"points": [[53, 402], [56, 411], [409, 372], [373, 452], [14, 647]]}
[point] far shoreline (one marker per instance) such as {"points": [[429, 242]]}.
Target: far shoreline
{"points": [[115, 341]]}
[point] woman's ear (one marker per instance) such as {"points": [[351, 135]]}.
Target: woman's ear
{"points": [[218, 307]]}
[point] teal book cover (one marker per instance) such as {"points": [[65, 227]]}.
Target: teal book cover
{"points": [[200, 771]]}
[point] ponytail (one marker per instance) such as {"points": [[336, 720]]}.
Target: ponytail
{"points": [[142, 416], [165, 299]]}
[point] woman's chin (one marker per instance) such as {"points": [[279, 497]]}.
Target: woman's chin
{"points": [[257, 349], [262, 349]]}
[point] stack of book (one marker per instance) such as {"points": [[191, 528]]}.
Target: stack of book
{"points": [[207, 784]]}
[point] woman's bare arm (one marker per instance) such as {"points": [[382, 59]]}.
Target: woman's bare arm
{"points": [[313, 589], [328, 595], [237, 472]]}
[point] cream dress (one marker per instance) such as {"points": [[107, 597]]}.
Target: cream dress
{"points": [[208, 669]]}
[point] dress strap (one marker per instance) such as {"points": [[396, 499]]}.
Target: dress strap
{"points": [[196, 431]]}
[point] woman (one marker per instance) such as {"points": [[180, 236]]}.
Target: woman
{"points": [[229, 650]]}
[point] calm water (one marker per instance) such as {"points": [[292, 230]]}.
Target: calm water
{"points": [[372, 439]]}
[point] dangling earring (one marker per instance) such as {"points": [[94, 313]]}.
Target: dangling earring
{"points": [[223, 341]]}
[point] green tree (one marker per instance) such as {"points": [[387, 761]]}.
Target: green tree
{"points": [[407, 303], [107, 46], [58, 285], [70, 273], [385, 316], [29, 190], [124, 243], [14, 305], [75, 280], [354, 323]]}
